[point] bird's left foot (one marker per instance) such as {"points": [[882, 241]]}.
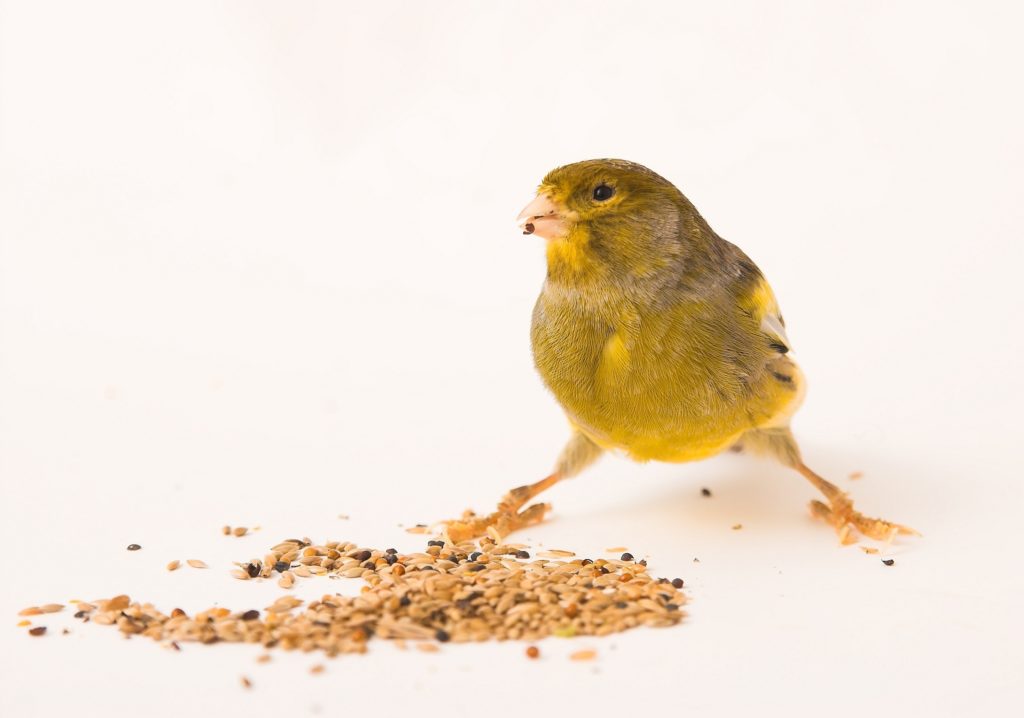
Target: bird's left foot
{"points": [[847, 521], [508, 517], [497, 525]]}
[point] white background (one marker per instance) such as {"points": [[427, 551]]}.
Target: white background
{"points": [[258, 266]]}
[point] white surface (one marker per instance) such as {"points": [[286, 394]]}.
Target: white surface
{"points": [[258, 266]]}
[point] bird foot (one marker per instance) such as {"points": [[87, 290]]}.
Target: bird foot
{"points": [[846, 521], [497, 525]]}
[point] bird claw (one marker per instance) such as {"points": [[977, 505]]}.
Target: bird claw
{"points": [[496, 525], [842, 516]]}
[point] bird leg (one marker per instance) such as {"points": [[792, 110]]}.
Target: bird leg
{"points": [[508, 517], [840, 513]]}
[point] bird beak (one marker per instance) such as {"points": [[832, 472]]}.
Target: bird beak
{"points": [[543, 217]]}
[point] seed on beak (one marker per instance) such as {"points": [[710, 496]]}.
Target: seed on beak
{"points": [[528, 228]]}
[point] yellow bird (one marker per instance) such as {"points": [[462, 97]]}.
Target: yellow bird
{"points": [[660, 339]]}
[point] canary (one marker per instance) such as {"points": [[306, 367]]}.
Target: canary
{"points": [[660, 339]]}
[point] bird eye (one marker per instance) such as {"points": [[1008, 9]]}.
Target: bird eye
{"points": [[603, 192]]}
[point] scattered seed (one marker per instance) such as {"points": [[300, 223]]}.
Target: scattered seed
{"points": [[246, 683], [705, 492], [737, 527], [37, 631], [196, 563], [30, 611], [226, 530], [174, 565], [677, 583], [888, 561], [532, 652], [616, 549], [264, 658], [318, 668], [585, 655], [854, 475], [240, 531], [26, 622], [449, 593], [869, 549], [133, 547], [51, 607]]}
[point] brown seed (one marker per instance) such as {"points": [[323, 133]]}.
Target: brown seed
{"points": [[177, 612], [246, 683], [240, 531], [133, 547], [532, 652], [318, 668], [854, 475], [737, 527], [226, 530], [174, 565], [196, 563], [265, 658], [584, 655], [30, 611], [51, 607], [37, 631]]}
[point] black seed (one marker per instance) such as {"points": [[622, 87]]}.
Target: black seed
{"points": [[888, 561], [427, 568], [281, 566], [626, 556], [253, 569], [79, 614], [604, 570], [522, 554], [361, 555], [442, 635], [391, 550], [390, 558], [642, 562], [705, 492], [478, 567], [370, 565], [474, 556], [586, 562], [677, 582], [404, 601], [671, 606], [250, 615], [133, 547], [621, 604], [435, 543]]}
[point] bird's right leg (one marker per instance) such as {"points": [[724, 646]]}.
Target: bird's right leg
{"points": [[578, 453]]}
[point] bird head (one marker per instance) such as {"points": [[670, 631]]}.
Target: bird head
{"points": [[606, 219]]}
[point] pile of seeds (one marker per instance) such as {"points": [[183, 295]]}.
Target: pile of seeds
{"points": [[449, 592]]}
